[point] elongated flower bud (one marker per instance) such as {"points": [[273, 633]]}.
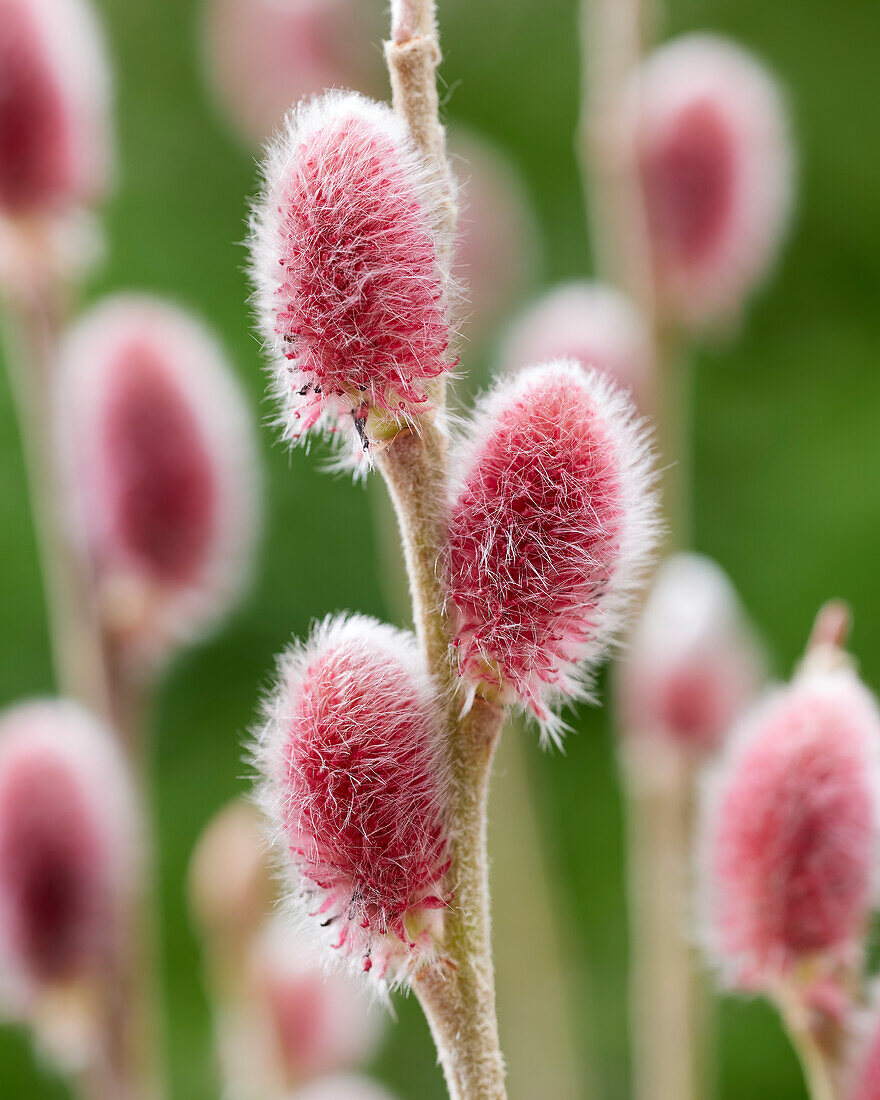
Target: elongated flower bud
{"points": [[54, 107], [349, 286], [790, 826], [693, 664], [263, 55], [230, 882], [549, 527], [163, 470], [354, 784], [588, 322], [343, 1087], [319, 1022], [69, 851], [716, 163]]}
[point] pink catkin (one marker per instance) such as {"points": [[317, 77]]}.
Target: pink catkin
{"points": [[319, 1022], [163, 468], [353, 781], [790, 829], [716, 165], [68, 847], [54, 106], [349, 287], [693, 663], [549, 527], [591, 323], [264, 55]]}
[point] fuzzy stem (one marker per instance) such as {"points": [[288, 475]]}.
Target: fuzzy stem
{"points": [[412, 55], [670, 1010], [460, 1001]]}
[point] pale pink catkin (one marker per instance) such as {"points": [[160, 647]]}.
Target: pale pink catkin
{"points": [[349, 288], [69, 849], [164, 489], [54, 107], [318, 1022], [354, 787], [716, 164], [550, 524], [789, 830], [261, 56], [693, 663], [593, 324]]}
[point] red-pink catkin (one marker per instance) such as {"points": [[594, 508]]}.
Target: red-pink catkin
{"points": [[163, 472], [716, 166], [349, 286], [353, 782], [790, 828], [548, 529], [68, 848], [53, 107], [693, 663]]}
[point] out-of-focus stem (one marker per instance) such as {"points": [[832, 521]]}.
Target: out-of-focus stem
{"points": [[669, 1008], [822, 1045], [88, 669], [666, 987], [32, 324], [537, 988]]}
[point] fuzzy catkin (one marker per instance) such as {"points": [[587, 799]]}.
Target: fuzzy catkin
{"points": [[789, 829], [550, 524], [349, 287], [354, 786]]}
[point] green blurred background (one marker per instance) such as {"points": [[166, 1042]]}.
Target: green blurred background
{"points": [[786, 460]]}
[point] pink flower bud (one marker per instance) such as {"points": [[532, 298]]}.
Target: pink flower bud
{"points": [[349, 287], [264, 55], [54, 106], [163, 470], [343, 1087], [496, 253], [693, 663], [69, 849], [550, 525], [590, 323], [319, 1022], [716, 163], [354, 783], [790, 829], [230, 883]]}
